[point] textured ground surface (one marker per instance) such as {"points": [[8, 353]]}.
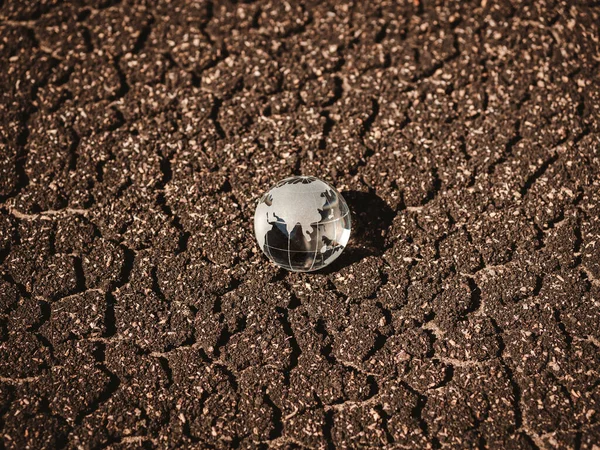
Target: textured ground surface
{"points": [[135, 307]]}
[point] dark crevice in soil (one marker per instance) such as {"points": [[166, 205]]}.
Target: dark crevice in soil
{"points": [[46, 311], [156, 287], [20, 162], [563, 328], [119, 122], [143, 37], [539, 282], [110, 321], [277, 429], [379, 343], [537, 175], [327, 127], [164, 363], [578, 242], [214, 116], [475, 301], [432, 340], [4, 253], [448, 377], [578, 437], [127, 268], [328, 429], [296, 351], [516, 389], [123, 83], [80, 275], [373, 387], [384, 423], [294, 302], [189, 342], [45, 343], [87, 38], [563, 389], [508, 148], [368, 123], [435, 188], [226, 335], [338, 91], [417, 414], [109, 390], [326, 350], [167, 176]]}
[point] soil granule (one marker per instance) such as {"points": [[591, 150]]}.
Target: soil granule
{"points": [[136, 310]]}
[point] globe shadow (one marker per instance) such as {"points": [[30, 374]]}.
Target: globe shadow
{"points": [[371, 218]]}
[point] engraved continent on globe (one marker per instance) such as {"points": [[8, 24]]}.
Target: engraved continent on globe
{"points": [[302, 224]]}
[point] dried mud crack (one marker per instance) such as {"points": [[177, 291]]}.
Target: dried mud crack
{"points": [[136, 309]]}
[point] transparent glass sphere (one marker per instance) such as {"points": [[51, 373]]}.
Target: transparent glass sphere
{"points": [[302, 224]]}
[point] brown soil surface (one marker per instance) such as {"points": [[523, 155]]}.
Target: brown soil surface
{"points": [[135, 307]]}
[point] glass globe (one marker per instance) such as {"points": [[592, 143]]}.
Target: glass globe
{"points": [[302, 224]]}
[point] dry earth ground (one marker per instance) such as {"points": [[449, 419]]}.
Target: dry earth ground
{"points": [[135, 308]]}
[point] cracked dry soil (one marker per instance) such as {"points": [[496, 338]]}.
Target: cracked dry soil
{"points": [[135, 308]]}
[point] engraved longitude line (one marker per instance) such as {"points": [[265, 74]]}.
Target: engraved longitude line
{"points": [[316, 249], [267, 246], [317, 245], [335, 235], [288, 249]]}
